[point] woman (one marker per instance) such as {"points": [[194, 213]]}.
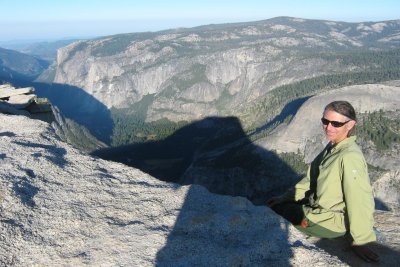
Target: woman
{"points": [[336, 195]]}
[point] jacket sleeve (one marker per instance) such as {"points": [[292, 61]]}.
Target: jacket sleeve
{"points": [[358, 198]]}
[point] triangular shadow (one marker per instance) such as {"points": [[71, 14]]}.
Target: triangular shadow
{"points": [[213, 152], [216, 153]]}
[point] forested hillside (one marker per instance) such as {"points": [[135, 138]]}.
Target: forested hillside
{"points": [[367, 67], [249, 70]]}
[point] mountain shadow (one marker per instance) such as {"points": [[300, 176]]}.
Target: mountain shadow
{"points": [[76, 104], [215, 153], [289, 110], [210, 231]]}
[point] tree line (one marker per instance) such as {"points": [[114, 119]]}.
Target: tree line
{"points": [[373, 67], [379, 127], [133, 129]]}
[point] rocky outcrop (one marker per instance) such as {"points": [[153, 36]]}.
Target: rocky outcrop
{"points": [[23, 101], [14, 101], [62, 207]]}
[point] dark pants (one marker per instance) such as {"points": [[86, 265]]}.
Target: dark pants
{"points": [[293, 212]]}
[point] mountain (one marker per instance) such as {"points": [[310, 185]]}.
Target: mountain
{"points": [[19, 66], [46, 50], [59, 206], [227, 69], [223, 116], [195, 105], [75, 134]]}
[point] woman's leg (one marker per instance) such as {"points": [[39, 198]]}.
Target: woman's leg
{"points": [[293, 212]]}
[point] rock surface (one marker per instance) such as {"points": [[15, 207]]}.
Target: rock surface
{"points": [[59, 206], [62, 207], [22, 101]]}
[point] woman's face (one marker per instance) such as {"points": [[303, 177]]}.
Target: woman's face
{"points": [[336, 134]]}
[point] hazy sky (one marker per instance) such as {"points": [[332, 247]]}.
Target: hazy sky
{"points": [[56, 19]]}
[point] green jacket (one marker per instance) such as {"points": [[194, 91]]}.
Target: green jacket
{"points": [[337, 192]]}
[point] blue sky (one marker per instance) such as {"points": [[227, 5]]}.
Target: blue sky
{"points": [[57, 19]]}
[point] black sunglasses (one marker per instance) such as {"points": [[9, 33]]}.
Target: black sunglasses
{"points": [[335, 124]]}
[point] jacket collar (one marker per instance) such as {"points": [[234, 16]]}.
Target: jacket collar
{"points": [[344, 143]]}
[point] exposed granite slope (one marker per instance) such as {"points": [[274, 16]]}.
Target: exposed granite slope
{"points": [[59, 206]]}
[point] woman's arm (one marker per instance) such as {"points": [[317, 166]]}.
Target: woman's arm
{"points": [[358, 198]]}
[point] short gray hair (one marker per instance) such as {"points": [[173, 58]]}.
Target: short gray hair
{"points": [[344, 108]]}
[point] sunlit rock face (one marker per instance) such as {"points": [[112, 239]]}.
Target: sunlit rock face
{"points": [[215, 69]]}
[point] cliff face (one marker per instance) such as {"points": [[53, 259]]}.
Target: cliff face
{"points": [[216, 69]]}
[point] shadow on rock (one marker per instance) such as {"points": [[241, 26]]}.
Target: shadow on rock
{"points": [[212, 230], [55, 154], [215, 153], [340, 247], [76, 104]]}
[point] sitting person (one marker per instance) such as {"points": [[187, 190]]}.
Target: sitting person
{"points": [[335, 197]]}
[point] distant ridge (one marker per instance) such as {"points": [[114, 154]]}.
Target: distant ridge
{"points": [[18, 66], [224, 69]]}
